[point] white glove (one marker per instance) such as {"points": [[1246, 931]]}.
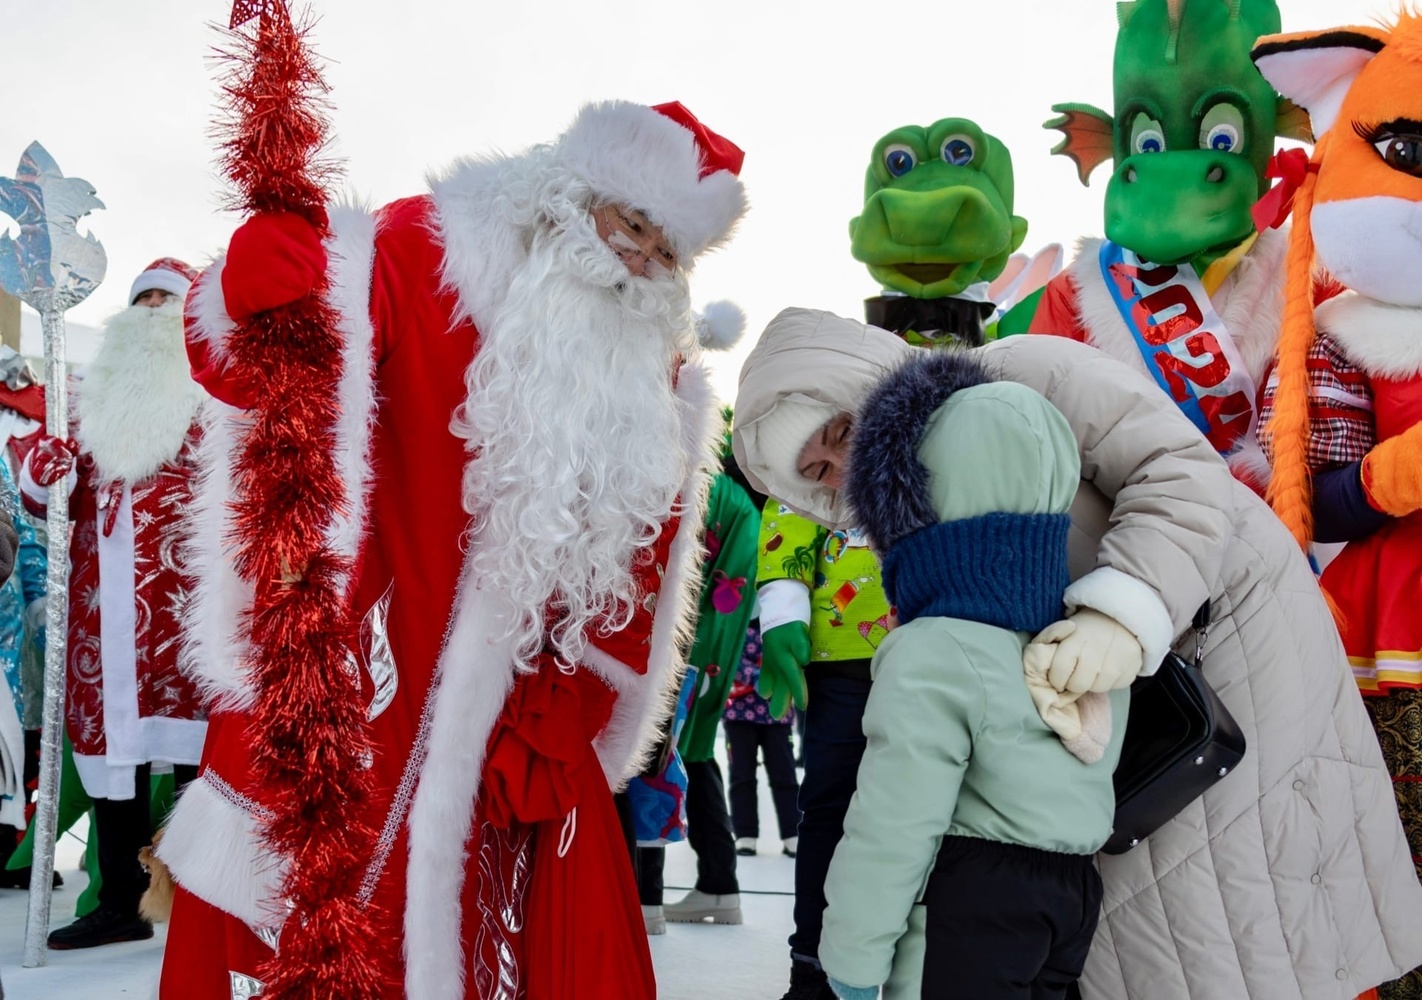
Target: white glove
{"points": [[1082, 721], [1093, 652]]}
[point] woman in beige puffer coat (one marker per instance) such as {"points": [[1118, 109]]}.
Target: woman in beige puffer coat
{"points": [[1290, 879]]}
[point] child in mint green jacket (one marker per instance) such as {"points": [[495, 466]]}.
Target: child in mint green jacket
{"points": [[968, 847]]}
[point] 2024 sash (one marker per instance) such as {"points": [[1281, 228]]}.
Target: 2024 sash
{"points": [[1184, 343]]}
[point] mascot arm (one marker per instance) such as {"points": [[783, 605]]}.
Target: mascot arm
{"points": [[1341, 509], [724, 612]]}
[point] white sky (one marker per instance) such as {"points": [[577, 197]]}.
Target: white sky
{"points": [[121, 93]]}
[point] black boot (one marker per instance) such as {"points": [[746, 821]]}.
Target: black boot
{"points": [[808, 982], [20, 879], [105, 925]]}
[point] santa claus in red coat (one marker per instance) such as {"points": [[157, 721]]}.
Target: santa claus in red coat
{"points": [[136, 425], [523, 432]]}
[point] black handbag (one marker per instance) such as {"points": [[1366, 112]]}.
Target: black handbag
{"points": [[1180, 740]]}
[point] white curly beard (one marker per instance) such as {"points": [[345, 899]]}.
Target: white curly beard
{"points": [[137, 399], [575, 434]]}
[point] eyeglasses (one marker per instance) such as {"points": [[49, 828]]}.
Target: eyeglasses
{"points": [[631, 235]]}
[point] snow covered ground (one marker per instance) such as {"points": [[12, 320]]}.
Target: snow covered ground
{"points": [[694, 962]]}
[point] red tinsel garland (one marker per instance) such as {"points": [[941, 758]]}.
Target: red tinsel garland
{"points": [[310, 742]]}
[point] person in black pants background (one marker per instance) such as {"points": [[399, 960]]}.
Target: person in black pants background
{"points": [[749, 728], [716, 896]]}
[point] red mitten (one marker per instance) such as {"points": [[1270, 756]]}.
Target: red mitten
{"points": [[273, 260], [51, 459]]}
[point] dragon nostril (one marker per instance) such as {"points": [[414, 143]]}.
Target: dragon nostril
{"points": [[1130, 175], [1215, 175]]}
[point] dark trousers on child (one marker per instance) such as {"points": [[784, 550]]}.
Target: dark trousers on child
{"points": [[708, 830], [743, 739], [834, 745], [1006, 922]]}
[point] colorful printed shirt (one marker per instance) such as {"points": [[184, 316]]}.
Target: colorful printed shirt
{"points": [[849, 614]]}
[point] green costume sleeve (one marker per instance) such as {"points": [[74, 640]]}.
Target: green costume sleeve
{"points": [[925, 706], [727, 600], [789, 546], [1018, 319]]}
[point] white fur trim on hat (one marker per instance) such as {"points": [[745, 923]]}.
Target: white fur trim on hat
{"points": [[634, 156], [163, 279], [719, 325]]}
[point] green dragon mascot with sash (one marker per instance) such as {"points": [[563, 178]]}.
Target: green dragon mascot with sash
{"points": [[1184, 288]]}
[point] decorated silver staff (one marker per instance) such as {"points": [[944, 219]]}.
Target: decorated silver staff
{"points": [[51, 267]]}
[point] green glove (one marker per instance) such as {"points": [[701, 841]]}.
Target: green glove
{"points": [[784, 653]]}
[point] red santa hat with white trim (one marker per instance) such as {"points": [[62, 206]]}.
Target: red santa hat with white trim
{"points": [[664, 162], [166, 274]]}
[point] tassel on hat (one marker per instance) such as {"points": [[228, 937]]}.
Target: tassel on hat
{"points": [[719, 325]]}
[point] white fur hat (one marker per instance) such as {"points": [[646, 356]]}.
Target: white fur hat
{"points": [[664, 162]]}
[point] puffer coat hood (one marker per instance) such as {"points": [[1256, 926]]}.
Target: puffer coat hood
{"points": [[810, 357]]}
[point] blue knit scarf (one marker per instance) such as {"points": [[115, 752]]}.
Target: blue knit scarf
{"points": [[1008, 570]]}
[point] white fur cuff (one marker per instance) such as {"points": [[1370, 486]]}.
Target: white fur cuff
{"points": [[213, 848], [783, 601], [1136, 606]]}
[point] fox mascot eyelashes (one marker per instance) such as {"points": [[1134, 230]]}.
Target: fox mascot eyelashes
{"points": [[1346, 428]]}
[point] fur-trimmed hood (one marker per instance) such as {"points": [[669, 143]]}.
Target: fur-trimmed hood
{"points": [[887, 485], [940, 440]]}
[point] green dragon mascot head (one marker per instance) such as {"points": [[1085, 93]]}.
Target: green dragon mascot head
{"points": [[937, 221], [1193, 130]]}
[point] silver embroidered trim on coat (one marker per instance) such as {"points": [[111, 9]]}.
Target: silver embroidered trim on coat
{"points": [[244, 802], [245, 986], [501, 918], [400, 804], [379, 658]]}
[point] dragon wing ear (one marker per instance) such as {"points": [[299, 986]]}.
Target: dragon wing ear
{"points": [[1314, 69], [1088, 137]]}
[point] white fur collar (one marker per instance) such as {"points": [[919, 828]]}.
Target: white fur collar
{"points": [[1250, 302], [481, 248], [137, 400], [1382, 339]]}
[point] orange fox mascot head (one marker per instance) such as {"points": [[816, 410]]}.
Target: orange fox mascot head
{"points": [[1359, 209]]}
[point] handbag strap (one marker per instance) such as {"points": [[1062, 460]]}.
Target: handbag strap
{"points": [[1201, 625]]}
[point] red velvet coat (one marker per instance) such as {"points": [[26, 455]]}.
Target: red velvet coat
{"points": [[514, 771]]}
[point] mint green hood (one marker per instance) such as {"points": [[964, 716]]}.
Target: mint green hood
{"points": [[999, 448]]}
